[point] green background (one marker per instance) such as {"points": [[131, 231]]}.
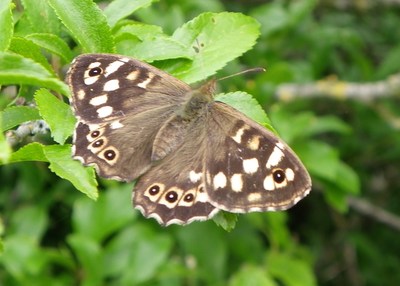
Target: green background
{"points": [[330, 90]]}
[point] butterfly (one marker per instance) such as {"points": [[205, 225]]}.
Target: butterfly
{"points": [[191, 155]]}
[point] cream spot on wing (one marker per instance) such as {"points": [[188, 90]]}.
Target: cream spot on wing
{"points": [[93, 127], [201, 196], [133, 75], [111, 85], [144, 83], [275, 157], [81, 94], [91, 80], [104, 111], [237, 183], [250, 166], [116, 124], [254, 197], [269, 183], [154, 192], [289, 174], [219, 181], [194, 177], [238, 136], [125, 60], [254, 143], [94, 65], [281, 185], [113, 67], [99, 100]]}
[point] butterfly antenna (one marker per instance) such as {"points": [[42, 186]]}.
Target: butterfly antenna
{"points": [[258, 69]]}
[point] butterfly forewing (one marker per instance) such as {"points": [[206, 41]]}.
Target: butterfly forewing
{"points": [[247, 167], [120, 104], [121, 149], [108, 87]]}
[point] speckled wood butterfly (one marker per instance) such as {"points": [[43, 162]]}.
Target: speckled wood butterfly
{"points": [[193, 156]]}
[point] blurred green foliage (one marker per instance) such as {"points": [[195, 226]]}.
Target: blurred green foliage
{"points": [[52, 234]]}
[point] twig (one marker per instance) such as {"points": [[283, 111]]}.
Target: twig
{"points": [[332, 87], [361, 4], [375, 212]]}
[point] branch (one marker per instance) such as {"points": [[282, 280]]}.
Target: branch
{"points": [[375, 212], [332, 87], [361, 5]]}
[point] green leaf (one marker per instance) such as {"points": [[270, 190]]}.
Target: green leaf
{"points": [[226, 220], [147, 42], [5, 153], [142, 242], [6, 24], [307, 124], [64, 166], [111, 211], [214, 40], [272, 16], [89, 255], [290, 270], [246, 104], [298, 10], [323, 162], [119, 9], [211, 258], [87, 24], [30, 50], [321, 159], [30, 221], [338, 190], [347, 179], [31, 152], [141, 31], [53, 44], [22, 255], [41, 17], [15, 69], [62, 122], [250, 275], [15, 115]]}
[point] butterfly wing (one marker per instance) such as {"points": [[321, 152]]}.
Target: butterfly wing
{"points": [[113, 98], [228, 162], [247, 168], [173, 191]]}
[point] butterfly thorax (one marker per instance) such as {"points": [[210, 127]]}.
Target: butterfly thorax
{"points": [[173, 133], [195, 105]]}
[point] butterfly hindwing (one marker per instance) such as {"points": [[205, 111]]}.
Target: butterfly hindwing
{"points": [[173, 191]]}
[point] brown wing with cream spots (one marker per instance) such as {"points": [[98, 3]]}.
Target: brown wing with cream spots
{"points": [[173, 191], [113, 98], [247, 168]]}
